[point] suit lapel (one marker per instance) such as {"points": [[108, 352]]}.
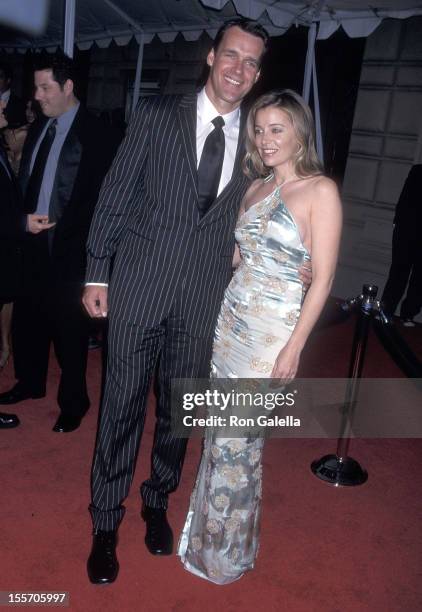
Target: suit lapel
{"points": [[67, 169], [187, 122], [31, 140]]}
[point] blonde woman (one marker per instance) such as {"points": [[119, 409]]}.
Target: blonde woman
{"points": [[291, 213]]}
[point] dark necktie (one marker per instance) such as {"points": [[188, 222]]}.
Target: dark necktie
{"points": [[37, 174], [210, 166]]}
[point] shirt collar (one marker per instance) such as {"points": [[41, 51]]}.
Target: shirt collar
{"points": [[65, 121], [207, 111]]}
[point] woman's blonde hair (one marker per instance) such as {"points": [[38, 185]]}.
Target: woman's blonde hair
{"points": [[306, 162]]}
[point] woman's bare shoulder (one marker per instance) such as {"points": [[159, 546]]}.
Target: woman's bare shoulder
{"points": [[325, 198], [324, 187], [318, 189]]}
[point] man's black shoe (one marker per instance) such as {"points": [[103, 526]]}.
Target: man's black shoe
{"points": [[102, 564], [66, 423], [7, 421], [18, 394], [159, 536]]}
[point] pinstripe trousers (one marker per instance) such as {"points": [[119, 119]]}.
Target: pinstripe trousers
{"points": [[133, 355]]}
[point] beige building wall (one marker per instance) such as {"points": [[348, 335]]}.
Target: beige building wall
{"points": [[386, 141], [175, 66]]}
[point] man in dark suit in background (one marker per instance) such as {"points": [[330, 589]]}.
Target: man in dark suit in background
{"points": [[65, 157], [406, 256], [167, 212], [11, 234]]}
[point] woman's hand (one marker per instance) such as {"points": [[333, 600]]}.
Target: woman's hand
{"points": [[305, 274], [286, 364]]}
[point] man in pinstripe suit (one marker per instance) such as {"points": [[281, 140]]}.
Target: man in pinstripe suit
{"points": [[171, 263]]}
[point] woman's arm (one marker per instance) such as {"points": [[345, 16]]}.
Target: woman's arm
{"points": [[326, 221]]}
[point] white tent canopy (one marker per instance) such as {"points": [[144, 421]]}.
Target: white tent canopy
{"points": [[104, 21]]}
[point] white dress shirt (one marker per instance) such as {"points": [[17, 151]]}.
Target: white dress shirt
{"points": [[205, 113]]}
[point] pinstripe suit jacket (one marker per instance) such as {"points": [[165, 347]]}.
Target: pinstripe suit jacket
{"points": [[147, 220]]}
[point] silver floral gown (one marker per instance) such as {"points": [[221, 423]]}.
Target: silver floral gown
{"points": [[261, 305]]}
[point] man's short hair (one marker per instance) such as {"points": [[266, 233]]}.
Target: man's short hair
{"points": [[61, 66], [6, 69], [246, 25]]}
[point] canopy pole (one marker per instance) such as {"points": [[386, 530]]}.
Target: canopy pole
{"points": [[317, 114], [310, 58], [137, 85], [69, 27], [310, 76], [136, 26], [123, 14]]}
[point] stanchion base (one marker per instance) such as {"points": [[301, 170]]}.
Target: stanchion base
{"points": [[340, 473]]}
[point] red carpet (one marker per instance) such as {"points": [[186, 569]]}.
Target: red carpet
{"points": [[322, 549]]}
